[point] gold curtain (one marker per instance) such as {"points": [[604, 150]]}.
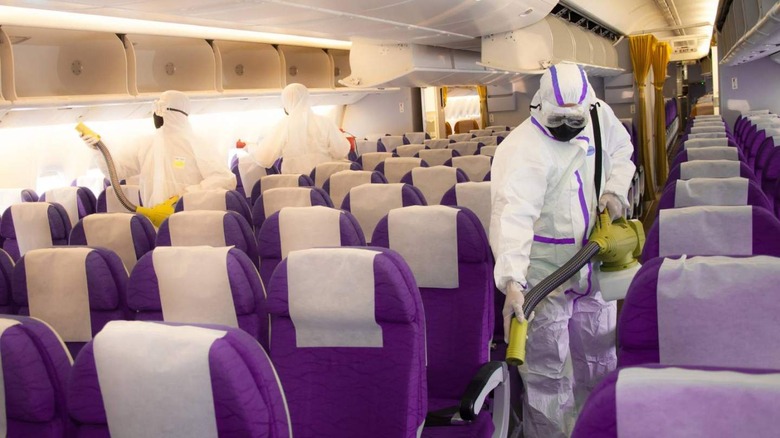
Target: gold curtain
{"points": [[661, 56], [443, 97], [641, 58], [483, 107]]}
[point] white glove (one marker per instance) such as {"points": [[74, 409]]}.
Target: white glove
{"points": [[612, 203], [513, 305], [90, 140]]}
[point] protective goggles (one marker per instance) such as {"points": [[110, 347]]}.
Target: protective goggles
{"points": [[554, 116], [161, 106]]}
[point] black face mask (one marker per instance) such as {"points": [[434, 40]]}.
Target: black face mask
{"points": [[564, 132], [158, 121]]}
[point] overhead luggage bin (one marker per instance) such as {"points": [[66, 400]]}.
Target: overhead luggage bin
{"points": [[750, 31], [309, 66], [243, 66], [160, 63], [40, 65], [341, 68]]}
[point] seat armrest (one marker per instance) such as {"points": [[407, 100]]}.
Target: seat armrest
{"points": [[489, 376]]}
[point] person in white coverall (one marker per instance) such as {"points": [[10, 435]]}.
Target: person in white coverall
{"points": [[544, 204], [174, 162], [303, 139]]}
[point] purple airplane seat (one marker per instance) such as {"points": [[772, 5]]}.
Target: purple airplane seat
{"points": [[107, 202], [466, 136], [129, 235], [436, 157], [434, 182], [389, 142], [466, 148], [416, 137], [675, 308], [340, 183], [323, 171], [199, 285], [277, 181], [77, 201], [76, 290], [770, 173], [33, 225], [6, 277], [709, 153], [447, 250], [765, 151], [274, 200], [351, 356], [713, 230], [219, 200], [394, 168], [477, 167], [711, 169], [371, 202], [440, 143], [247, 174], [712, 191], [408, 150], [155, 379], [681, 402], [370, 160], [297, 228], [210, 228], [35, 374]]}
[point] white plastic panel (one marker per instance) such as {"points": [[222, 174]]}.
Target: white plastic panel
{"points": [[341, 68], [519, 50], [171, 63], [306, 65], [563, 41], [247, 66], [599, 47], [53, 63], [583, 50]]}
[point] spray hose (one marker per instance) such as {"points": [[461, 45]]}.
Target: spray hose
{"points": [[120, 194], [618, 245]]}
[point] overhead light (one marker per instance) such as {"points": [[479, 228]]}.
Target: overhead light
{"points": [[527, 12]]}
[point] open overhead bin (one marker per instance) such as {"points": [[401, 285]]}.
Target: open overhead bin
{"points": [[534, 48], [243, 66], [310, 66], [383, 64]]}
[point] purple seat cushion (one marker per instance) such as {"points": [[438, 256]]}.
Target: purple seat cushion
{"points": [[303, 181], [270, 243], [318, 197], [87, 203], [376, 178], [35, 368], [59, 224], [234, 201], [106, 287], [143, 293], [141, 229], [755, 196], [457, 350], [247, 396], [237, 231], [762, 157], [766, 236], [356, 392]]}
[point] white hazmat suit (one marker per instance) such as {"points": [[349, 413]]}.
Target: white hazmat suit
{"points": [[543, 208], [303, 139], [175, 162]]}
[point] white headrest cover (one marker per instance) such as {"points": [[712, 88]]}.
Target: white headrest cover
{"points": [[461, 137], [408, 150], [700, 129], [476, 197], [325, 170], [31, 225], [155, 379], [132, 192], [679, 403], [696, 295], [464, 147], [68, 198], [710, 169], [112, 231], [708, 135], [694, 143], [434, 182], [370, 202], [365, 146], [372, 159], [475, 166], [415, 137], [706, 230], [711, 191], [331, 298], [397, 167], [427, 238], [490, 140], [269, 182], [5, 324], [197, 228], [206, 200], [713, 153], [437, 144], [250, 172], [276, 199], [342, 182], [309, 227], [392, 141], [490, 151], [194, 285], [57, 290], [435, 157]]}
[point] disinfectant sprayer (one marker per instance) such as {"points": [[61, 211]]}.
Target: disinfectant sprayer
{"points": [[616, 244], [156, 214]]}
